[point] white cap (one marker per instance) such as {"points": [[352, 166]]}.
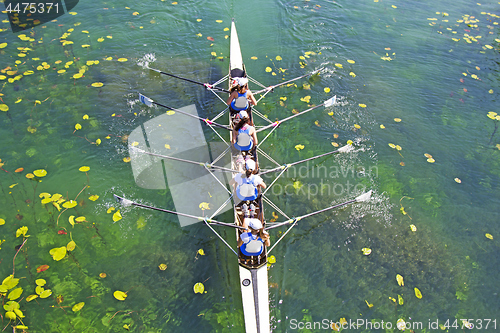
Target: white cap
{"points": [[255, 224], [250, 165], [242, 81], [243, 114]]}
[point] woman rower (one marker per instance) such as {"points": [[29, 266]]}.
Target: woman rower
{"points": [[252, 240], [244, 136], [241, 97], [246, 185]]}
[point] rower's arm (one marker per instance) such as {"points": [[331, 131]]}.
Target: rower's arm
{"points": [[234, 136], [230, 99], [253, 101], [254, 137]]}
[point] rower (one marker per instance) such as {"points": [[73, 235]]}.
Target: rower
{"points": [[241, 97], [244, 136], [248, 184], [251, 242]]}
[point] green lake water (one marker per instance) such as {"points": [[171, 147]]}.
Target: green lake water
{"points": [[433, 65]]}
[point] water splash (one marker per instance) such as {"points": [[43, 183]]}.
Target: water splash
{"points": [[144, 61]]}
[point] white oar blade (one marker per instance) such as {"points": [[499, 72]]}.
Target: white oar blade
{"points": [[123, 201], [330, 101], [364, 197], [346, 149], [145, 100]]}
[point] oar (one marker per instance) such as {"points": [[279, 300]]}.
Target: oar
{"points": [[206, 85], [127, 202], [345, 149], [327, 103], [148, 101], [286, 82], [362, 198], [207, 165]]}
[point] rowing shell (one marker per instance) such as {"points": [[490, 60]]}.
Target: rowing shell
{"points": [[253, 270]]}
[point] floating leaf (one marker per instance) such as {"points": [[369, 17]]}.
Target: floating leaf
{"points": [[15, 294], [126, 159], [278, 58], [80, 219], [40, 173], [413, 228], [120, 295], [401, 324], [31, 297], [19, 170], [352, 74], [306, 99], [117, 216], [4, 107], [272, 259], [366, 251], [400, 300], [70, 204], [77, 307], [46, 293], [204, 205], [10, 315], [335, 144], [357, 126], [84, 169], [78, 127], [392, 145], [431, 160], [162, 267], [339, 65], [428, 155], [71, 246], [382, 126], [42, 268], [97, 84], [299, 147], [369, 305], [199, 288], [22, 231], [102, 275], [40, 282], [392, 299], [362, 105], [94, 197], [122, 59], [458, 180], [110, 209], [400, 280], [269, 69], [170, 112], [351, 61], [326, 89], [398, 120], [489, 236], [39, 289], [10, 282], [201, 252], [418, 293], [58, 253], [2, 221]]}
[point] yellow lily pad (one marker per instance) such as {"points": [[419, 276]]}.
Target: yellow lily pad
{"points": [[400, 280], [120, 295], [58, 253], [418, 293], [199, 288], [117, 216], [40, 173]]}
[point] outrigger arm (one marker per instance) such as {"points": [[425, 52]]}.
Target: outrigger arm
{"points": [[148, 101], [362, 198], [206, 85], [208, 221]]}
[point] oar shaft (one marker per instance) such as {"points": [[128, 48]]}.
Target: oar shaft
{"points": [[327, 209], [186, 161], [302, 161], [277, 123], [289, 81], [189, 80], [206, 121]]}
